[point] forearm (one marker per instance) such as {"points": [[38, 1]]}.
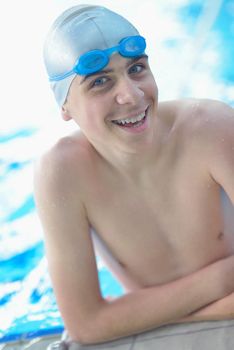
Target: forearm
{"points": [[151, 307], [218, 310]]}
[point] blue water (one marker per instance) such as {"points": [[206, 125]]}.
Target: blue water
{"points": [[27, 304]]}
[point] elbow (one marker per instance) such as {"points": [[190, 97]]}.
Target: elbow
{"points": [[87, 335], [81, 336], [93, 330], [84, 335]]}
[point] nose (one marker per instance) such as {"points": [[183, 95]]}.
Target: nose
{"points": [[128, 92]]}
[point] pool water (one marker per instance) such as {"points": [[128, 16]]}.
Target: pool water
{"points": [[27, 303]]}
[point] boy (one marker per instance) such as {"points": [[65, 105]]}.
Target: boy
{"points": [[149, 185]]}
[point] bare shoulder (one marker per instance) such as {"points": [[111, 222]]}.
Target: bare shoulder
{"points": [[202, 117], [211, 122], [63, 164], [67, 151], [205, 112], [202, 128], [207, 135], [195, 108]]}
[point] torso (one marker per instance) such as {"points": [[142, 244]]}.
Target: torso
{"points": [[179, 222], [164, 232]]}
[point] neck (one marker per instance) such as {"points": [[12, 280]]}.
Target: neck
{"points": [[133, 161]]}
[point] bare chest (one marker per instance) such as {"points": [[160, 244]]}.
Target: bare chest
{"points": [[163, 231]]}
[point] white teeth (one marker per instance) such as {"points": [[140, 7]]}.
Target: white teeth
{"points": [[130, 120]]}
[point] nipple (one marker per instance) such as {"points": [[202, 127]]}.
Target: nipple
{"points": [[220, 235]]}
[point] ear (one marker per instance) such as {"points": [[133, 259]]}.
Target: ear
{"points": [[65, 114]]}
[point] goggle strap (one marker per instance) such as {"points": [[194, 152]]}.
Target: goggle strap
{"points": [[62, 76]]}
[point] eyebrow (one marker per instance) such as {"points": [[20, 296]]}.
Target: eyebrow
{"points": [[106, 71]]}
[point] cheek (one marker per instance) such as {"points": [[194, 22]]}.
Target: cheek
{"points": [[91, 113], [153, 84], [152, 88]]}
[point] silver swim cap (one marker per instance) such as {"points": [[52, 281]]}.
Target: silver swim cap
{"points": [[76, 31]]}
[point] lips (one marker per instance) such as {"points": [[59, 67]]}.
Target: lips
{"points": [[135, 124], [130, 121], [133, 121]]}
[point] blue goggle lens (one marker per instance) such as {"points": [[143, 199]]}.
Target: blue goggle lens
{"points": [[132, 46], [95, 60], [90, 62]]}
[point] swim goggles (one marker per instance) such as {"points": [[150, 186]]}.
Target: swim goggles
{"points": [[95, 60]]}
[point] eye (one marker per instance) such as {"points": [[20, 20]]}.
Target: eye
{"points": [[136, 68], [100, 81]]}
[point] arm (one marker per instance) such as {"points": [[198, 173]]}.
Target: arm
{"points": [[72, 266], [218, 310], [218, 145]]}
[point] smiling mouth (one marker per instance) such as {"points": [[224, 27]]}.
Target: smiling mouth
{"points": [[133, 122]]}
